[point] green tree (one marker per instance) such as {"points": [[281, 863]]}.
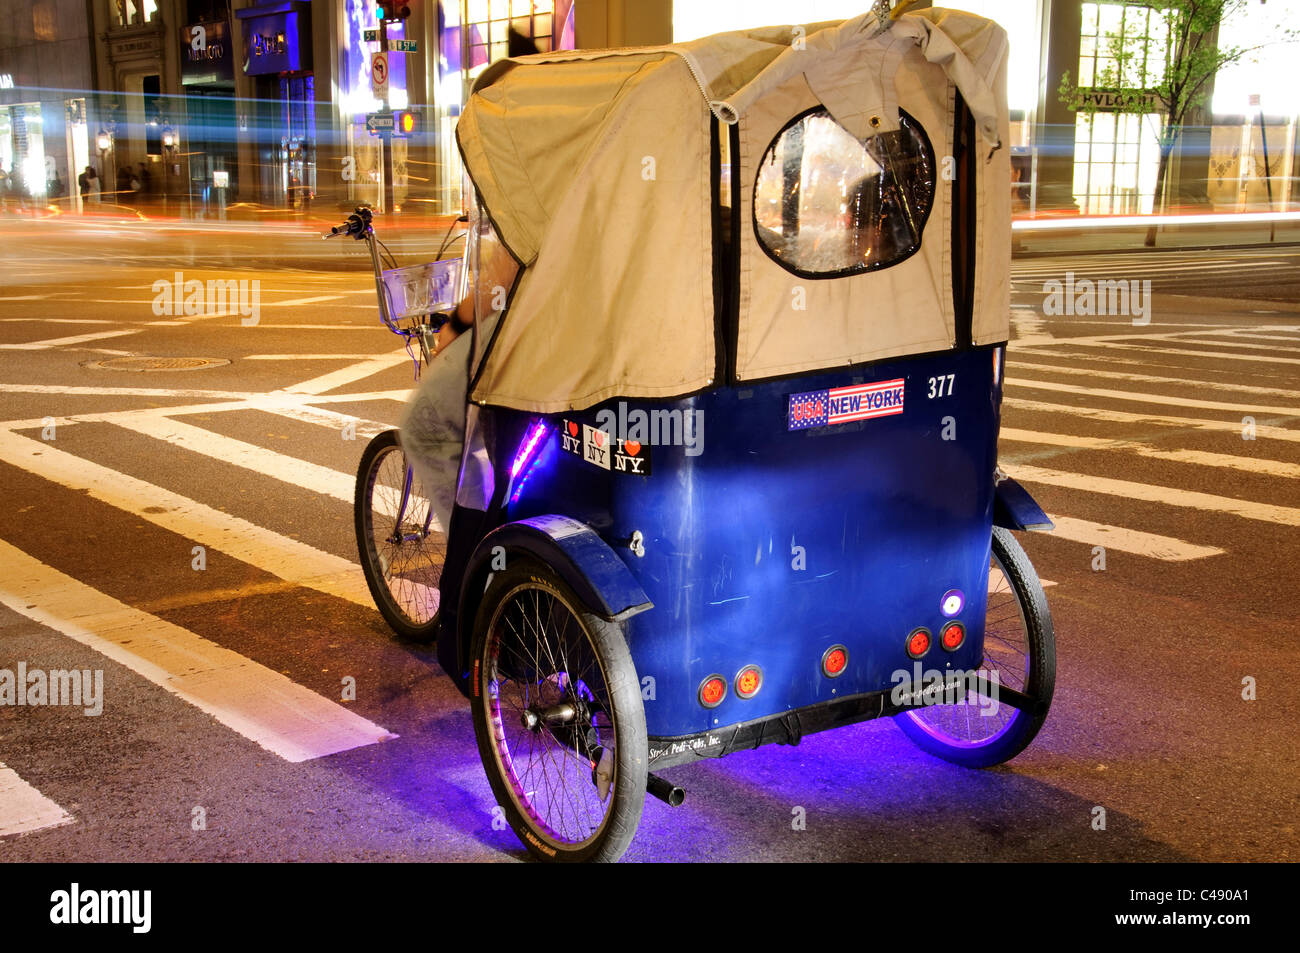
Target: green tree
{"points": [[1170, 54]]}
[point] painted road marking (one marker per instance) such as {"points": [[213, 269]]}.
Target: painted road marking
{"points": [[37, 320], [1150, 378], [278, 466], [310, 476], [1119, 416], [23, 808], [1224, 355], [61, 342], [1228, 461], [1143, 398], [1133, 541], [269, 551], [1130, 361], [1168, 495], [350, 374], [307, 357], [285, 405], [315, 299], [262, 705]]}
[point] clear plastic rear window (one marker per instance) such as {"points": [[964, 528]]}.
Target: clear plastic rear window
{"points": [[826, 204]]}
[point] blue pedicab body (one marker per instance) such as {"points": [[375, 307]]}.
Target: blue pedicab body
{"points": [[788, 537]]}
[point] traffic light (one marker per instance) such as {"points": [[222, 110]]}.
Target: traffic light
{"points": [[406, 123], [393, 10]]}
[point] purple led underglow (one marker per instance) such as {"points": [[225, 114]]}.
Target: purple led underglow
{"points": [[534, 437], [527, 451]]}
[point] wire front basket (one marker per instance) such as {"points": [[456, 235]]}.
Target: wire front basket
{"points": [[419, 290]]}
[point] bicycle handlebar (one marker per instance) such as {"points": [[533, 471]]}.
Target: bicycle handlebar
{"points": [[357, 224]]}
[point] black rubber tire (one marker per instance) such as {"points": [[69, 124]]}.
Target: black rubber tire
{"points": [[570, 629], [923, 726], [407, 598]]}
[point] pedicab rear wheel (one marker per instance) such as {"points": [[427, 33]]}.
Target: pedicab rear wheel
{"points": [[401, 547], [558, 717], [1020, 645]]}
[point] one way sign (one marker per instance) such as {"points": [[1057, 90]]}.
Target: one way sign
{"points": [[378, 122]]}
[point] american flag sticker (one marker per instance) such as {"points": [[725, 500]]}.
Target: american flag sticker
{"points": [[842, 405]]}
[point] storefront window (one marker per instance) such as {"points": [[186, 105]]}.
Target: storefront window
{"points": [[473, 34], [1122, 49], [24, 153], [1116, 157], [134, 12]]}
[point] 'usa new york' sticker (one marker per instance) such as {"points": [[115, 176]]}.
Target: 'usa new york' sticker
{"points": [[842, 405]]}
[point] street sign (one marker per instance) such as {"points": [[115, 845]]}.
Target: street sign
{"points": [[404, 46], [377, 122], [370, 36], [379, 75], [1254, 99]]}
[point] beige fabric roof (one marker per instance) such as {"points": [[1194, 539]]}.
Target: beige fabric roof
{"points": [[594, 166]]}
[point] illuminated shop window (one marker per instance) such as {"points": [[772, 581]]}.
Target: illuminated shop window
{"points": [[1116, 157], [1122, 49], [133, 12], [488, 22]]}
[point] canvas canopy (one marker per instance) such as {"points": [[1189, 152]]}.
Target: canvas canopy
{"points": [[595, 169]]}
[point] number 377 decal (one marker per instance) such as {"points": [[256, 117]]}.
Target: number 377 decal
{"points": [[941, 386]]}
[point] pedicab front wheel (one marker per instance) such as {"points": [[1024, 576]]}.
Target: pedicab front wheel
{"points": [[558, 717], [401, 546], [1020, 647]]}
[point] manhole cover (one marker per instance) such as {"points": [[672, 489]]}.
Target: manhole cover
{"points": [[156, 363]]}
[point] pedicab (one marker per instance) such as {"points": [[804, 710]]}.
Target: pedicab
{"points": [[730, 470]]}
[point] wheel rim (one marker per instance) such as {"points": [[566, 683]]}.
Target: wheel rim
{"points": [[538, 659], [408, 557], [1006, 652]]}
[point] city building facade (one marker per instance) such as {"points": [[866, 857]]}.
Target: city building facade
{"points": [[226, 107]]}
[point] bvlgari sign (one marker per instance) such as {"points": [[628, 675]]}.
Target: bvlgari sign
{"points": [[1120, 100], [206, 54]]}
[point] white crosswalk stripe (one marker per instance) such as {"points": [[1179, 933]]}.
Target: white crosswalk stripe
{"points": [[23, 809], [283, 717]]}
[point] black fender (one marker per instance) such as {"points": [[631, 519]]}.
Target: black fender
{"points": [[603, 583], [1014, 508]]}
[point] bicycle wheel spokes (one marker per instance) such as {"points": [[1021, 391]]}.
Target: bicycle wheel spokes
{"points": [[408, 545], [549, 711]]}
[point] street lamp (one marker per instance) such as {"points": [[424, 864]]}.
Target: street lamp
{"points": [[169, 151], [103, 142]]}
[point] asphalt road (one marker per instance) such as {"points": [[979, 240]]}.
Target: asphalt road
{"points": [[1131, 436]]}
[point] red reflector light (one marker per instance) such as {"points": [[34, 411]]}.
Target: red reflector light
{"points": [[834, 661], [953, 635], [918, 643], [749, 681], [712, 690]]}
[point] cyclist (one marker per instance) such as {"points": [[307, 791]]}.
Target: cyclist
{"points": [[455, 472]]}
